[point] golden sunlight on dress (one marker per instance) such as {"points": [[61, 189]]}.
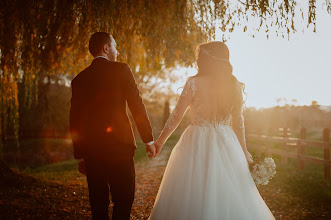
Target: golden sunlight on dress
{"points": [[207, 176]]}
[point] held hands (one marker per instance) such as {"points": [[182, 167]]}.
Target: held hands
{"points": [[158, 146], [154, 150], [150, 150]]}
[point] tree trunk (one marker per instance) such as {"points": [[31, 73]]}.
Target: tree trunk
{"points": [[5, 170], [7, 176]]}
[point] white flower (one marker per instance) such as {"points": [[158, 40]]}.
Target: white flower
{"points": [[264, 171]]}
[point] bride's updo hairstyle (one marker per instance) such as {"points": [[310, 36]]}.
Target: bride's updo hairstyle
{"points": [[213, 61]]}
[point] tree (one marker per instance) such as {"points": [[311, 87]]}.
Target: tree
{"points": [[314, 103], [42, 39]]}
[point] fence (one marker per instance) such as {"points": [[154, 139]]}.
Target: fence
{"points": [[299, 143]]}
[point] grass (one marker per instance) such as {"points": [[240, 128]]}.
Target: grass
{"points": [[37, 153], [291, 194], [67, 169], [297, 194], [310, 150], [62, 171]]}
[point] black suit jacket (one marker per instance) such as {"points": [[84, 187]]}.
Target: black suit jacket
{"points": [[99, 123]]}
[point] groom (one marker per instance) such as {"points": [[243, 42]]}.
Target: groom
{"points": [[101, 131]]}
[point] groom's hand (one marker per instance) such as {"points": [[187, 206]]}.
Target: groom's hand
{"points": [[150, 150]]}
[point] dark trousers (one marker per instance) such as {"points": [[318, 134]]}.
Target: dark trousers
{"points": [[114, 177]]}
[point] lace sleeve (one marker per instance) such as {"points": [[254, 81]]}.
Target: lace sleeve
{"points": [[179, 111], [237, 121]]}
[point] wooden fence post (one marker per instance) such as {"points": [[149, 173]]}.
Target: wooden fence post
{"points": [[326, 138], [301, 151], [259, 142], [284, 157]]}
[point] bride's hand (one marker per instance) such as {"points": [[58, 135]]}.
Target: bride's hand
{"points": [[158, 145], [249, 158]]}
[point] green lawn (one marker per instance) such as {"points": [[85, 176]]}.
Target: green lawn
{"points": [[34, 151], [292, 193], [38, 153], [298, 194]]}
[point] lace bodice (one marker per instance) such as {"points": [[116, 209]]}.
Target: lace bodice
{"points": [[204, 112]]}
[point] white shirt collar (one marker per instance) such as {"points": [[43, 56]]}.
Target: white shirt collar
{"points": [[101, 57]]}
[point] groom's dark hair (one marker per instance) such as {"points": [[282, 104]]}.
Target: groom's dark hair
{"points": [[97, 41]]}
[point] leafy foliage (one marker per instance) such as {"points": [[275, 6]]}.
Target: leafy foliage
{"points": [[41, 39]]}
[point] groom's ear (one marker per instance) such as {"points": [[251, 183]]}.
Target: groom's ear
{"points": [[105, 48]]}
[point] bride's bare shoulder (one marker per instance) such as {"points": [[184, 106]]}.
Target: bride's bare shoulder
{"points": [[197, 80]]}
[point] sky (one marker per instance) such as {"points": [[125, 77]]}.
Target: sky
{"points": [[298, 68]]}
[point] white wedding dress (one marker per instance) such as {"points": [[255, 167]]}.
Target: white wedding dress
{"points": [[207, 176]]}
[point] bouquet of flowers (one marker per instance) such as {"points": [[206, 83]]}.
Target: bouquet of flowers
{"points": [[263, 170]]}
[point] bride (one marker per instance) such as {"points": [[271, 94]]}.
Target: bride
{"points": [[207, 176]]}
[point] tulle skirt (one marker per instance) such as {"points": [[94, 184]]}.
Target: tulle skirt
{"points": [[207, 177]]}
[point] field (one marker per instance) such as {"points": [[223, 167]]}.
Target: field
{"points": [[56, 190]]}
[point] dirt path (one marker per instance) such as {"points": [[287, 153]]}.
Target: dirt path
{"points": [[148, 178], [66, 197]]}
